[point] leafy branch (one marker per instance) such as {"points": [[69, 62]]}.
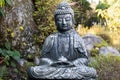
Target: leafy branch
{"points": [[2, 6], [7, 53]]}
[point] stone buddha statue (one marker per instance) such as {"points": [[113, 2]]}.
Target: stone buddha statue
{"points": [[63, 55]]}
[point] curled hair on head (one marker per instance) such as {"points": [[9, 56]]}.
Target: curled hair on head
{"points": [[64, 8]]}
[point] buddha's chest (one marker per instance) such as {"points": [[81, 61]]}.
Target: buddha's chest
{"points": [[63, 44]]}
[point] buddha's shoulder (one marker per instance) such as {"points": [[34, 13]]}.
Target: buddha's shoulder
{"points": [[51, 36], [76, 35]]}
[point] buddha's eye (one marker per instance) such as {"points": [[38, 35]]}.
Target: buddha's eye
{"points": [[67, 19], [59, 19]]}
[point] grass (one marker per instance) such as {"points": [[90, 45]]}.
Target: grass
{"points": [[108, 67]]}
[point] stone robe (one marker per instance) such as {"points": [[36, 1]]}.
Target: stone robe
{"points": [[63, 57], [68, 44]]}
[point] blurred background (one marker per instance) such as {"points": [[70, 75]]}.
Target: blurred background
{"points": [[24, 25]]}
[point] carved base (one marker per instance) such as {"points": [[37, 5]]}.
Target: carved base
{"points": [[51, 73]]}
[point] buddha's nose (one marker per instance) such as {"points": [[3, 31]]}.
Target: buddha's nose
{"points": [[63, 21]]}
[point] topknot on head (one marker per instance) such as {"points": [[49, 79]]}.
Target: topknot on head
{"points": [[64, 8]]}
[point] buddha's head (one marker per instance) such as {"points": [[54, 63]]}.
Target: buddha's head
{"points": [[64, 17]]}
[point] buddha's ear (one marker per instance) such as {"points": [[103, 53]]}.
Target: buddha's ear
{"points": [[74, 22], [55, 19], [55, 22]]}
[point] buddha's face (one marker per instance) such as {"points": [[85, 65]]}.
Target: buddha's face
{"points": [[64, 22]]}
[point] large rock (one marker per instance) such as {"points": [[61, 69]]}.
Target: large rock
{"points": [[90, 40], [18, 26], [109, 49]]}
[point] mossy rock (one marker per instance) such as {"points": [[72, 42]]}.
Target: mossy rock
{"points": [[95, 51]]}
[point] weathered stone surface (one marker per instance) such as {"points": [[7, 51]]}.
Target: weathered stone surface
{"points": [[22, 62], [37, 60], [79, 73], [109, 49], [64, 54], [18, 26], [90, 40]]}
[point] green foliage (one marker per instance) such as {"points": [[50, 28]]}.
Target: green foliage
{"points": [[44, 17], [2, 12], [1, 78], [111, 15], [102, 6], [103, 43], [3, 72], [2, 3], [80, 9], [8, 2], [7, 53], [95, 51], [104, 35], [108, 67], [108, 2], [2, 6], [11, 70]]}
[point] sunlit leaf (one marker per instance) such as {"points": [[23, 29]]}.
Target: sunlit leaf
{"points": [[21, 28], [12, 34], [2, 12], [2, 3], [7, 58], [9, 30], [9, 2], [7, 45]]}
